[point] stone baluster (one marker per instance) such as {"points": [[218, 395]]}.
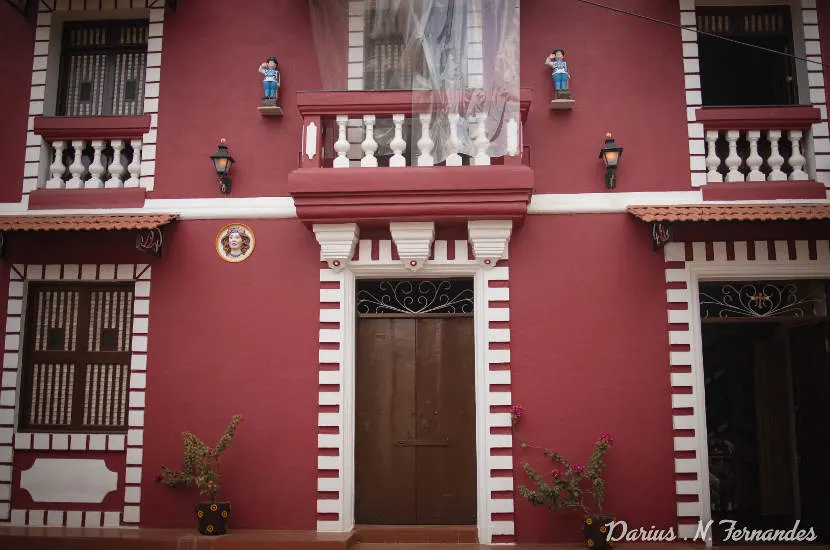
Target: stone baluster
{"points": [[754, 160], [341, 146], [733, 160], [369, 145], [425, 144], [57, 169], [482, 142], [453, 159], [712, 158], [116, 168], [775, 160], [134, 167], [797, 160], [77, 168], [398, 144], [96, 167]]}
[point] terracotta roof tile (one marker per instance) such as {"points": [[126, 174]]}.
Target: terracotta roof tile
{"points": [[85, 222], [730, 212]]}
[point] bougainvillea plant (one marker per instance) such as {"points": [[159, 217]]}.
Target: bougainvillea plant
{"points": [[200, 466], [568, 484]]}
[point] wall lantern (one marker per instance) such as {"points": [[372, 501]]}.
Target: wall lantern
{"points": [[610, 155], [222, 161]]}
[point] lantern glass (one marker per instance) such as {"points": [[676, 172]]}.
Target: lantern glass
{"points": [[222, 165], [610, 158]]}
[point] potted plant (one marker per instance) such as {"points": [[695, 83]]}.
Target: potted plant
{"points": [[201, 469], [567, 487]]}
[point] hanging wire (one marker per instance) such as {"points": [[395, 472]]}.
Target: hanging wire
{"points": [[704, 33]]}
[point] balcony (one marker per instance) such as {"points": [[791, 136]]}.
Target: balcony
{"points": [[82, 154], [349, 170], [766, 151]]}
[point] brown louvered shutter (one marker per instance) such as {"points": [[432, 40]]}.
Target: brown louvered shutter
{"points": [[103, 68], [76, 357]]}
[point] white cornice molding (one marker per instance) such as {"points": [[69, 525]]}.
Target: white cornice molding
{"points": [[489, 239], [283, 207], [337, 243], [413, 241]]}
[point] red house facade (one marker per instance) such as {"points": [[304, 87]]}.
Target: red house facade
{"points": [[426, 240]]}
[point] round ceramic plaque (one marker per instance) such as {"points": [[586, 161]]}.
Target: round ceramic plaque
{"points": [[235, 242]]}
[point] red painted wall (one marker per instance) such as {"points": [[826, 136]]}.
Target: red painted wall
{"points": [[236, 338], [626, 78], [211, 89], [225, 339], [589, 354], [16, 59]]}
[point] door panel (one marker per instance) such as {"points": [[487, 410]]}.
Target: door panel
{"points": [[385, 397], [415, 421], [811, 372], [446, 415]]}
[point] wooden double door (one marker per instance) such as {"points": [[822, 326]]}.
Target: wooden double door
{"points": [[415, 421]]}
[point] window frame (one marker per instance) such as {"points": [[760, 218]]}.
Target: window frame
{"points": [[802, 89], [80, 357], [111, 48]]}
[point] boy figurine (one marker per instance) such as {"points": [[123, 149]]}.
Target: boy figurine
{"points": [[271, 82], [561, 76]]}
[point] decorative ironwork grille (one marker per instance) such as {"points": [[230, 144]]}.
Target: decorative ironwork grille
{"points": [[76, 356], [415, 297], [763, 299], [103, 68]]}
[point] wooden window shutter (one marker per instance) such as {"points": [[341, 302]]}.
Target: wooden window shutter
{"points": [[76, 357]]}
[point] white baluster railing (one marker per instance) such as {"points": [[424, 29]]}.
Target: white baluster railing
{"points": [[747, 159], [398, 144], [87, 171], [425, 144]]}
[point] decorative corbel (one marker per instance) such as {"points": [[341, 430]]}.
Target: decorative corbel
{"points": [[337, 243], [413, 241], [489, 240], [662, 233], [149, 240]]}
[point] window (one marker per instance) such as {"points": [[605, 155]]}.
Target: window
{"points": [[102, 68], [732, 74], [389, 64], [76, 357]]}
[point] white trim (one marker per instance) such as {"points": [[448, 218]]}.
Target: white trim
{"points": [[132, 444], [693, 272], [283, 207], [344, 358]]}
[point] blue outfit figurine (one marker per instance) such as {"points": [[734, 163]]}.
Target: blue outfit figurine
{"points": [[561, 76], [271, 82]]}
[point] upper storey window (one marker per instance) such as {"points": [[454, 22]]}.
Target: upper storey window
{"points": [[103, 68], [734, 74]]}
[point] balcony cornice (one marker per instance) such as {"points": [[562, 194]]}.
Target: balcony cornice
{"points": [[55, 128], [789, 117], [440, 194]]}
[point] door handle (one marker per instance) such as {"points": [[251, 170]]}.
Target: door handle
{"points": [[423, 443]]}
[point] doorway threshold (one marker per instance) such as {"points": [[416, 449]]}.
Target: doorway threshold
{"points": [[415, 533]]}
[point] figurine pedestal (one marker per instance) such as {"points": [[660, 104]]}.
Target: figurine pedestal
{"points": [[270, 108], [561, 104]]}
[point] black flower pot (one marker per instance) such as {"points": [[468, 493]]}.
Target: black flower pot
{"points": [[595, 528], [213, 517]]}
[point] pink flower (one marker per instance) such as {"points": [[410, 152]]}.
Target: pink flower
{"points": [[516, 412], [158, 477], [555, 473], [577, 468], [607, 438]]}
